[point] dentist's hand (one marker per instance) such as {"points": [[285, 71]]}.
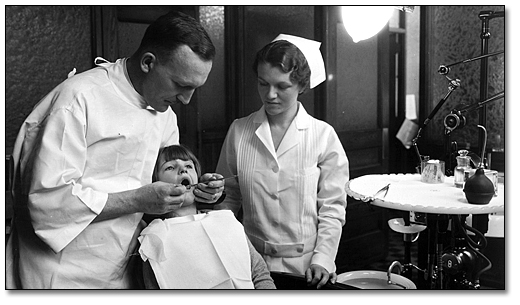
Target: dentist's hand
{"points": [[155, 198], [161, 197], [209, 188]]}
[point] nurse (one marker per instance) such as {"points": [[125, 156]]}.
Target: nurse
{"points": [[84, 160], [292, 168]]}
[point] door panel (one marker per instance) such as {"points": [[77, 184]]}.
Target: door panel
{"points": [[356, 74], [356, 105], [356, 98], [252, 28]]}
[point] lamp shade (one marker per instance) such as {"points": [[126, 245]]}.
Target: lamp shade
{"points": [[363, 22]]}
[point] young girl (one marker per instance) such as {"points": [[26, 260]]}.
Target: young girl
{"points": [[178, 165], [186, 249]]}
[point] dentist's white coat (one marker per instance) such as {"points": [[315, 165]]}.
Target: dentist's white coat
{"points": [[92, 135]]}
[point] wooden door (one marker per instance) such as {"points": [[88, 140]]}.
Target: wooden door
{"points": [[356, 102], [357, 95], [248, 29]]}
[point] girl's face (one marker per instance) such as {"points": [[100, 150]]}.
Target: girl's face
{"points": [[175, 171], [278, 93]]}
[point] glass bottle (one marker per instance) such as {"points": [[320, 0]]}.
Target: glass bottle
{"points": [[463, 161]]}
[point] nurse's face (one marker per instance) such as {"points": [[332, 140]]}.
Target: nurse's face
{"points": [[278, 93], [169, 81]]}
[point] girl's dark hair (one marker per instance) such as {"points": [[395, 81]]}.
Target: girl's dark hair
{"points": [[287, 57], [174, 152], [174, 29]]}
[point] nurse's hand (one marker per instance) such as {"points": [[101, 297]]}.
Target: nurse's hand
{"points": [[317, 275], [209, 189]]}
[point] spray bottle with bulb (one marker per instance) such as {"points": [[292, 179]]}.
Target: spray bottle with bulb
{"points": [[479, 189]]}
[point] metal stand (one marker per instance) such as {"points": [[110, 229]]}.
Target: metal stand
{"points": [[411, 233], [453, 84], [485, 16], [453, 258]]}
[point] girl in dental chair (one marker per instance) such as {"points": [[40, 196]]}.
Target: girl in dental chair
{"points": [[186, 249]]}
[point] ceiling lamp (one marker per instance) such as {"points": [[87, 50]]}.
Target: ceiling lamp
{"points": [[363, 22]]}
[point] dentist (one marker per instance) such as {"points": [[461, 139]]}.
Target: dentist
{"points": [[84, 159]]}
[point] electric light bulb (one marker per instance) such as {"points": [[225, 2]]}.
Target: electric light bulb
{"points": [[363, 22]]}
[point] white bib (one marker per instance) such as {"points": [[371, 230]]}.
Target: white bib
{"points": [[203, 251]]}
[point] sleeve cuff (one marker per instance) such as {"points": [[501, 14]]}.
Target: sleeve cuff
{"points": [[324, 261]]}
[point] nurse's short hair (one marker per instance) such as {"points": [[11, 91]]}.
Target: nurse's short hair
{"points": [[174, 152], [174, 29], [288, 58]]}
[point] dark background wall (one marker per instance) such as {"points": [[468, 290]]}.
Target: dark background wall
{"points": [[455, 36], [42, 45]]}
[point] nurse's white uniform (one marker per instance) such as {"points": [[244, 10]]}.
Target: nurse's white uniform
{"points": [[92, 135], [293, 198]]}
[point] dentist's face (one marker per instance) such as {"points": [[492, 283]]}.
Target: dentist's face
{"points": [[278, 93], [172, 80]]}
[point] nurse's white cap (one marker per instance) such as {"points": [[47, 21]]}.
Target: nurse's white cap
{"points": [[311, 51]]}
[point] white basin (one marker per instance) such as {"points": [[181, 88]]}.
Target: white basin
{"points": [[397, 225], [370, 279]]}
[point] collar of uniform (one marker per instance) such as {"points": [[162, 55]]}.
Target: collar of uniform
{"points": [[129, 91], [302, 119]]}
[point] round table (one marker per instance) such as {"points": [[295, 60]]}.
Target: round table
{"points": [[408, 193]]}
